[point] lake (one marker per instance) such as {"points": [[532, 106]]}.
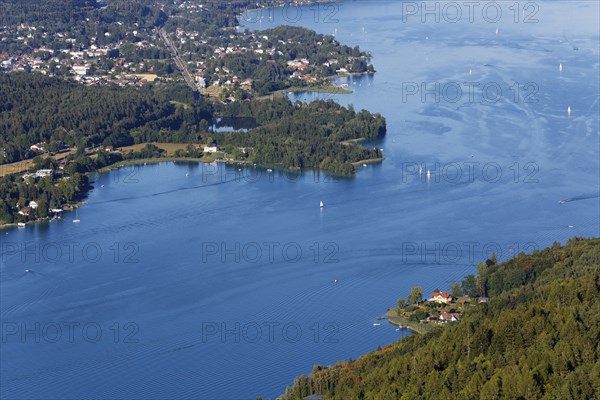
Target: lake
{"points": [[205, 281]]}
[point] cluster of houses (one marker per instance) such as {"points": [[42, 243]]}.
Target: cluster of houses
{"points": [[446, 298], [76, 60], [33, 205], [258, 45]]}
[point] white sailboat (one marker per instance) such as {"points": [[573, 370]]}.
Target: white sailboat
{"points": [[428, 174], [560, 67], [321, 205], [569, 111], [76, 220]]}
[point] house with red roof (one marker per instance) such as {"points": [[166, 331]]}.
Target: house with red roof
{"points": [[441, 297]]}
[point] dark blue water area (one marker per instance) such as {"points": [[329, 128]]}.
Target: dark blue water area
{"points": [[221, 282]]}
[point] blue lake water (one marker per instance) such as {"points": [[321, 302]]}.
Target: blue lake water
{"points": [[202, 281]]}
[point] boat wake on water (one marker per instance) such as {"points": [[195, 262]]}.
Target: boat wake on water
{"points": [[582, 197]]}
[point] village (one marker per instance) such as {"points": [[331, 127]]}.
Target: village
{"points": [[226, 66], [421, 315]]}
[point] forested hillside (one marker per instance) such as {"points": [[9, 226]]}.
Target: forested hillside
{"points": [[537, 337]]}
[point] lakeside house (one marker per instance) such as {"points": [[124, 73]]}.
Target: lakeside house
{"points": [[210, 149], [25, 211], [441, 297], [33, 204], [448, 316]]}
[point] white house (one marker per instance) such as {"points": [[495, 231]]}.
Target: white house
{"points": [[80, 69], [446, 316], [33, 204], [210, 149], [41, 173]]}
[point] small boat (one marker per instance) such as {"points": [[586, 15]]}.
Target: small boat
{"points": [[101, 186], [376, 324], [560, 67], [187, 174], [569, 111], [269, 170], [570, 226], [335, 281], [21, 224], [76, 220], [428, 174], [27, 270], [321, 204]]}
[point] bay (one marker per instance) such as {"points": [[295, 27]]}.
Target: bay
{"points": [[209, 282]]}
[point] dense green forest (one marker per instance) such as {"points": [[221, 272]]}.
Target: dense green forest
{"points": [[305, 135], [538, 337], [34, 108]]}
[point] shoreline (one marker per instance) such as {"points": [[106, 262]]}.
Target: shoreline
{"points": [[155, 160], [369, 161], [327, 89], [68, 207], [415, 327]]}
